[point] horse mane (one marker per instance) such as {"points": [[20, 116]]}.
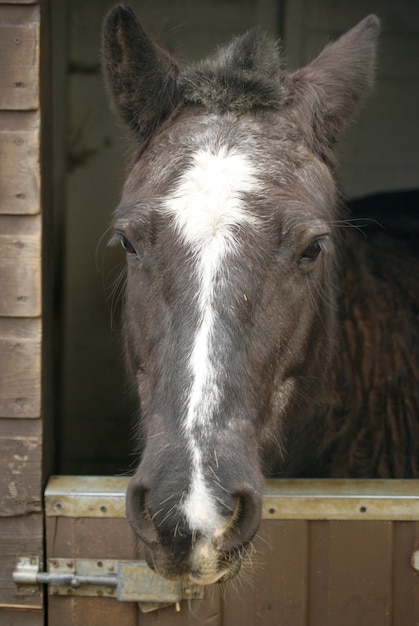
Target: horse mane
{"points": [[241, 76]]}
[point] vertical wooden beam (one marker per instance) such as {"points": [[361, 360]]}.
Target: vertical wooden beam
{"points": [[351, 573], [274, 589], [406, 579]]}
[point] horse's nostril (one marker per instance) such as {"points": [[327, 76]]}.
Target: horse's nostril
{"points": [[138, 513], [245, 519]]}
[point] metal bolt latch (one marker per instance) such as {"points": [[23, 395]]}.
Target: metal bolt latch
{"points": [[127, 581], [62, 574]]}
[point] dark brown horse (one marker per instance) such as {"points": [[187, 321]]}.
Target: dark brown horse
{"points": [[265, 338]]}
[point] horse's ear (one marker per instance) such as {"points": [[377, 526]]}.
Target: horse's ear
{"points": [[331, 89], [140, 74]]}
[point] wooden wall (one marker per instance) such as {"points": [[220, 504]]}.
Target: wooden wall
{"points": [[21, 307]]}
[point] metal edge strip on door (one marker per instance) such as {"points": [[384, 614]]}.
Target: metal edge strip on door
{"points": [[308, 499]]}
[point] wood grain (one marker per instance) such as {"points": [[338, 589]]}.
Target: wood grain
{"points": [[351, 573], [20, 477], [20, 275], [19, 53], [17, 617], [20, 368], [19, 172]]}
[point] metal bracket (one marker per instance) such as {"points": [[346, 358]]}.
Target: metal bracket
{"points": [[127, 581]]}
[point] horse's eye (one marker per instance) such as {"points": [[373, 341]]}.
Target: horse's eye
{"points": [[311, 253], [128, 247]]}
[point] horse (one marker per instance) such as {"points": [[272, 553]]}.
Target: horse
{"points": [[267, 332]]}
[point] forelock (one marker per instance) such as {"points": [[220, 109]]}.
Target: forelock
{"points": [[241, 76]]}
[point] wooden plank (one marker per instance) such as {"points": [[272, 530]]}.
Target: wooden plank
{"points": [[90, 611], [20, 368], [23, 121], [19, 13], [406, 579], [350, 573], [19, 66], [89, 538], [273, 586], [27, 617], [19, 172], [20, 275], [20, 471], [19, 536]]}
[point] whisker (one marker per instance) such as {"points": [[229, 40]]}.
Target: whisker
{"points": [[113, 279], [263, 540], [168, 514], [98, 245], [219, 484], [156, 435], [327, 298], [356, 223], [156, 513], [116, 292], [312, 299], [194, 535], [167, 499], [223, 503]]}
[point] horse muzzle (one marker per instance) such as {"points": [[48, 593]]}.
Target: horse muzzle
{"points": [[179, 552]]}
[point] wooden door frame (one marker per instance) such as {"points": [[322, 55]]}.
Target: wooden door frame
{"points": [[26, 410]]}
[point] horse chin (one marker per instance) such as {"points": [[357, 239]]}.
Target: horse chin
{"points": [[200, 569], [223, 576], [225, 573]]}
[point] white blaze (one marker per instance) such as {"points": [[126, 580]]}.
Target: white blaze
{"points": [[208, 207]]}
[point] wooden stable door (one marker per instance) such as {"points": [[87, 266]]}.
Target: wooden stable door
{"points": [[329, 553]]}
